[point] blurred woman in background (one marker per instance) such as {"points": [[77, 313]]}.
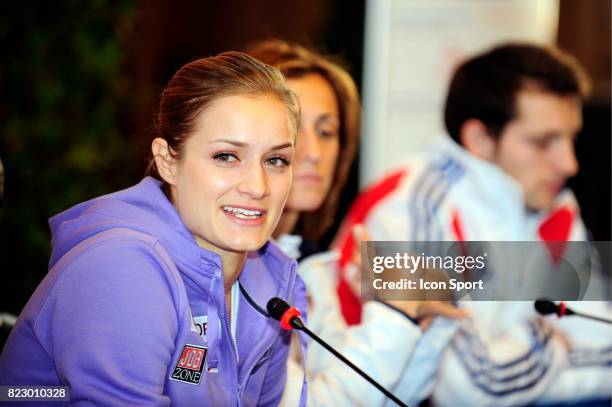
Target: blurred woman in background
{"points": [[328, 138]]}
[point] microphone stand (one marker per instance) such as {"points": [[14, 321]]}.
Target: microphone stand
{"points": [[545, 307], [593, 317], [298, 324]]}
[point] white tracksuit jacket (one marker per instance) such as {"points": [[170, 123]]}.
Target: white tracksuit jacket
{"points": [[505, 355]]}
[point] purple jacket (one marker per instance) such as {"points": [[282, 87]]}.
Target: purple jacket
{"points": [[133, 311]]}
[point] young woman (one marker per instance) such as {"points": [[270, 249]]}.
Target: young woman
{"points": [[156, 294], [386, 340]]}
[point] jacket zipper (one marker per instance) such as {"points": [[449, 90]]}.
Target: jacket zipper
{"points": [[247, 372], [231, 339]]}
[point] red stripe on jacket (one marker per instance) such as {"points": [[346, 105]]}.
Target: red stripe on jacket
{"points": [[350, 304], [555, 231]]}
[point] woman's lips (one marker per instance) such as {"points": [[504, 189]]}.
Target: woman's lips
{"points": [[243, 215], [309, 178]]}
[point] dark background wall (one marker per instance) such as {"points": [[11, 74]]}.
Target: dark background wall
{"points": [[80, 82], [584, 31]]}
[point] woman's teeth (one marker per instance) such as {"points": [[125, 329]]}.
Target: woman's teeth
{"points": [[242, 213]]}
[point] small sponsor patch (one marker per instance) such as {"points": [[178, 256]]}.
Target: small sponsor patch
{"points": [[189, 366], [200, 326]]}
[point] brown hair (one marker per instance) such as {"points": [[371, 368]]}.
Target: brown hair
{"points": [[486, 86], [296, 61], [196, 85]]}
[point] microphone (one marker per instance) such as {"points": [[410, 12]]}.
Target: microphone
{"points": [[289, 318], [546, 307]]}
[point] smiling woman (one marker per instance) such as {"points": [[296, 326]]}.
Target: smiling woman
{"points": [[234, 176], [155, 293]]}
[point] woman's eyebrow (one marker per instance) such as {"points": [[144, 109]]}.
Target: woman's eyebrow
{"points": [[241, 144], [328, 117], [232, 142], [281, 146]]}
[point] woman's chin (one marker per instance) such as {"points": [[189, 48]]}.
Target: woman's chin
{"points": [[245, 245], [305, 205]]}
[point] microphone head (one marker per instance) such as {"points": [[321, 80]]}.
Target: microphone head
{"points": [[277, 307], [545, 307]]}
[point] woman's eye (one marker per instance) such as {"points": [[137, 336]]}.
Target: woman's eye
{"points": [[327, 133], [225, 157], [278, 161]]}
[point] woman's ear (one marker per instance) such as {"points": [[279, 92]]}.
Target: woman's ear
{"points": [[164, 161], [476, 138]]}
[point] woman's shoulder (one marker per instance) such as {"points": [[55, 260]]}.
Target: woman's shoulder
{"points": [[118, 246], [118, 277], [120, 258]]}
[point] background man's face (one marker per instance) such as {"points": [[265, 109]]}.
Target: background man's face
{"points": [[537, 147]]}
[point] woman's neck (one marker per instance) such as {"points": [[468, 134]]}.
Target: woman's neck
{"points": [[287, 223], [233, 263]]}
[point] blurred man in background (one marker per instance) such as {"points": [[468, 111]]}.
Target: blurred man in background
{"points": [[512, 115]]}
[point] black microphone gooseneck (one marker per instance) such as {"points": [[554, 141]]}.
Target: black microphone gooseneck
{"points": [[289, 317], [546, 307]]}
